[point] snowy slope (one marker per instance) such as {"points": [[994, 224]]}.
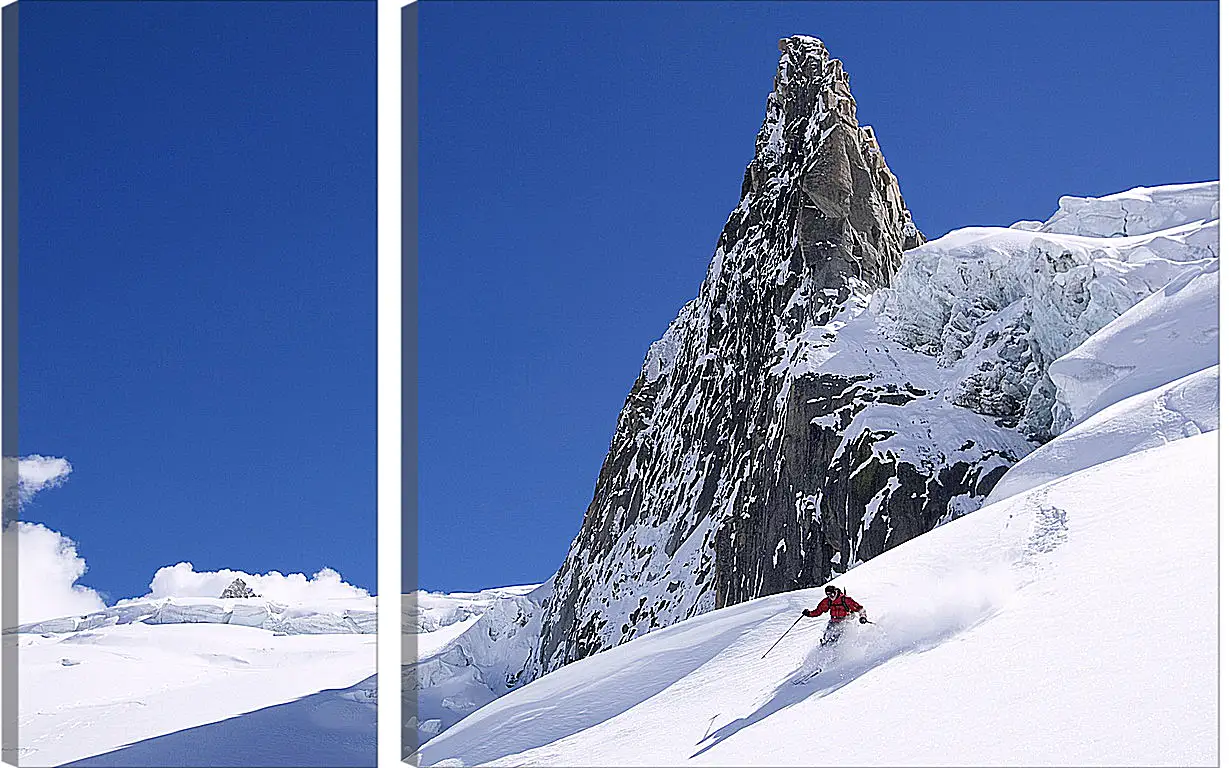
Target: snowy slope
{"points": [[483, 658], [147, 669], [1068, 625], [425, 644], [1146, 378], [1170, 412]]}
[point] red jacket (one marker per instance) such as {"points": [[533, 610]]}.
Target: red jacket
{"points": [[841, 607]]}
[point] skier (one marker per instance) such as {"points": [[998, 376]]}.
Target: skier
{"points": [[838, 605]]}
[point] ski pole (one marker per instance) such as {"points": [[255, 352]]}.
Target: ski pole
{"points": [[709, 728], [782, 637]]}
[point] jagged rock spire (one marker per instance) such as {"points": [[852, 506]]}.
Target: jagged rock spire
{"points": [[812, 154], [713, 445]]}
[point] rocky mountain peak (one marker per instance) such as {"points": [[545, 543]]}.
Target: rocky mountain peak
{"points": [[810, 88], [713, 448], [238, 588], [815, 166]]}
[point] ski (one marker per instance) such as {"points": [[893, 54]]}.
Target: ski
{"points": [[805, 678]]}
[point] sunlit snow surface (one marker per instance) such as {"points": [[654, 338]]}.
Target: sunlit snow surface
{"points": [[1026, 633], [198, 687]]}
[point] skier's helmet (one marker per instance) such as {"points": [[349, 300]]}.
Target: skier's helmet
{"points": [[831, 591]]}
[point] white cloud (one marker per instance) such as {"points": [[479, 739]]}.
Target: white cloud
{"points": [[38, 472], [34, 473], [48, 567], [183, 580]]}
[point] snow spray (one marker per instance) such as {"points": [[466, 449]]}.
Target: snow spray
{"points": [[911, 616]]}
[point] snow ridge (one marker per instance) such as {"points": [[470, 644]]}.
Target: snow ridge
{"points": [[246, 612], [1136, 211]]}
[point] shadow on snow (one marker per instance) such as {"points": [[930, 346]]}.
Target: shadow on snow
{"points": [[329, 728]]}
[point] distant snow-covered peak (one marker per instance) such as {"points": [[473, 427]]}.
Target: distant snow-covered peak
{"points": [[238, 588]]}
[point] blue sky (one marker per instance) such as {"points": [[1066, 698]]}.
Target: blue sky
{"points": [[578, 160], [197, 283]]}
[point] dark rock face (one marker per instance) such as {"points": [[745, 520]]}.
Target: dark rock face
{"points": [[741, 465], [238, 588]]}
